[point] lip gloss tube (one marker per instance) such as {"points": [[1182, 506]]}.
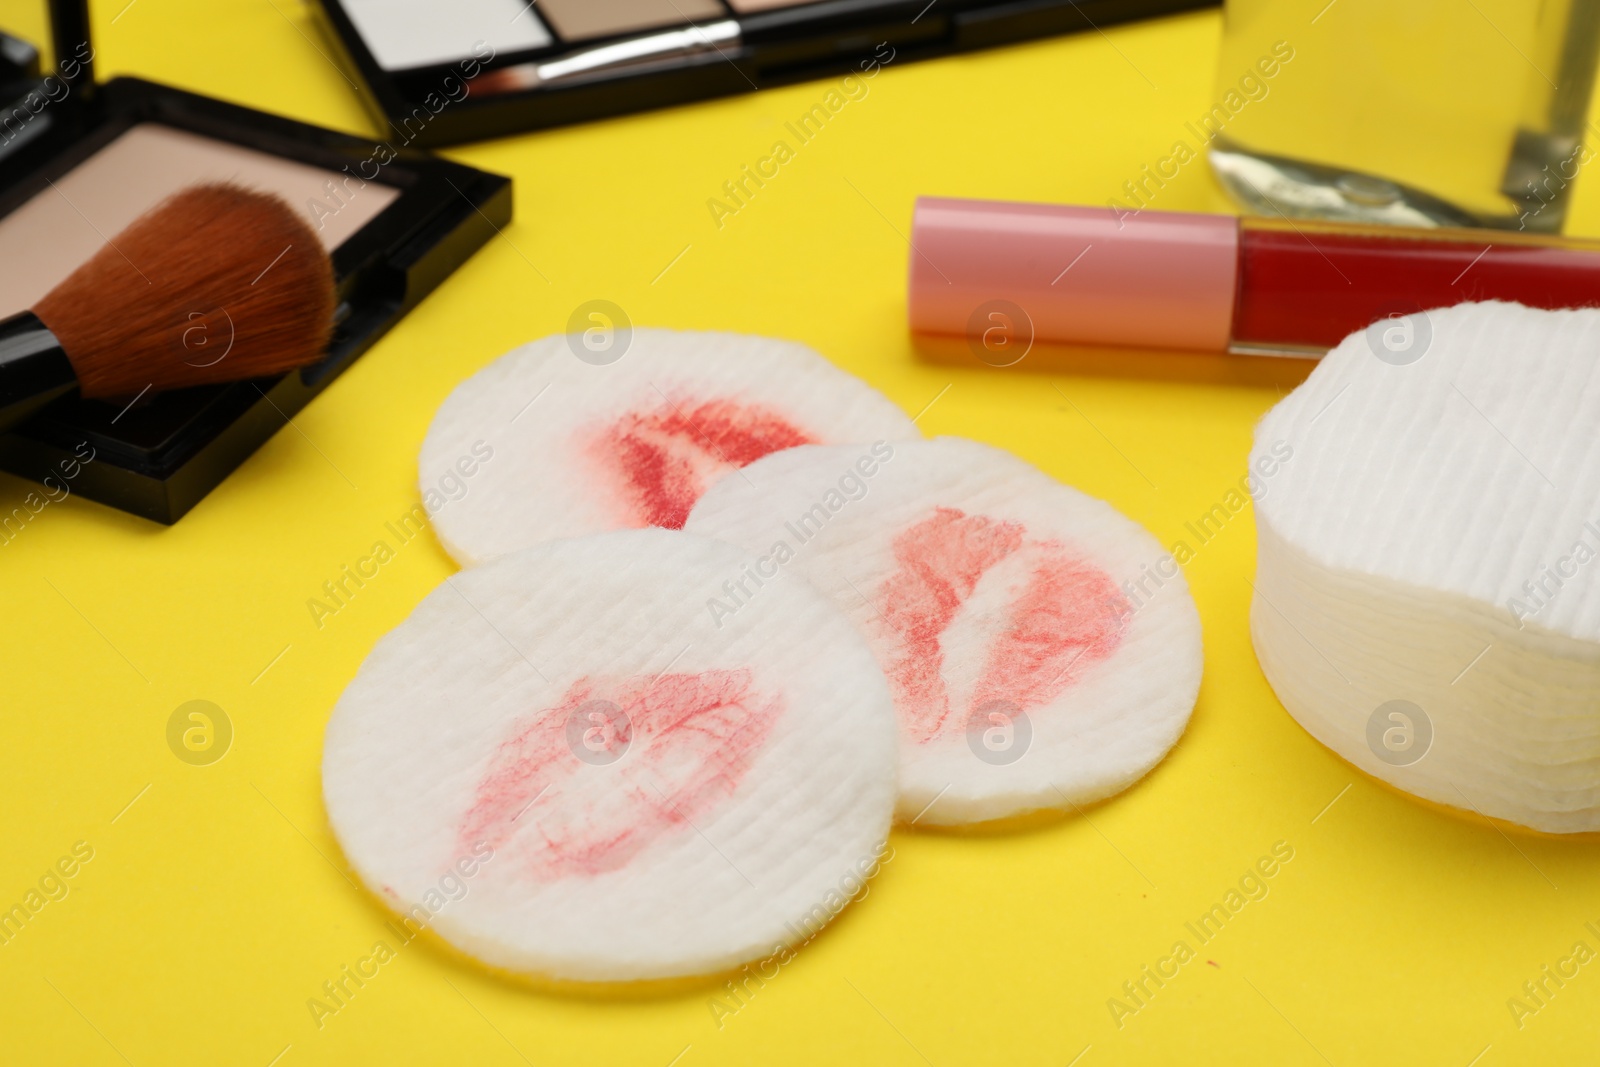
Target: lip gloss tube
{"points": [[1214, 283]]}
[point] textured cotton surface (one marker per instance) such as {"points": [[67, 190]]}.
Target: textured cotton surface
{"points": [[584, 441], [1028, 669], [1434, 541], [639, 792]]}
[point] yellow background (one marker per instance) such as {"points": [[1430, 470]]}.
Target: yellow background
{"points": [[216, 904]]}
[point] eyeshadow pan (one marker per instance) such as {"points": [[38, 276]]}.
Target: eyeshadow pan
{"points": [[582, 20], [744, 7], [402, 34], [46, 238]]}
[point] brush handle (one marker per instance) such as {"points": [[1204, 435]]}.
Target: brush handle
{"points": [[34, 368]]}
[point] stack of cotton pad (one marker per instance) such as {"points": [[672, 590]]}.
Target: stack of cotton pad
{"points": [[1024, 676], [639, 792], [585, 442], [1428, 587]]}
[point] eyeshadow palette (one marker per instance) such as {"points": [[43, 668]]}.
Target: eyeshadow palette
{"points": [[444, 71], [81, 160]]}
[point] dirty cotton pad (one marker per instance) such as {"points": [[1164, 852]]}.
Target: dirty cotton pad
{"points": [[1427, 596], [617, 787], [1026, 674], [556, 439]]}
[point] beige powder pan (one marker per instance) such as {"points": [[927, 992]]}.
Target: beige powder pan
{"points": [[583, 20], [62, 226]]}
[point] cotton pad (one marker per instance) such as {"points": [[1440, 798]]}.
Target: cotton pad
{"points": [[1428, 580], [583, 440], [575, 773], [1028, 672]]}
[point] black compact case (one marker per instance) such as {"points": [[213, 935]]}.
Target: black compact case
{"points": [[159, 457], [485, 93]]}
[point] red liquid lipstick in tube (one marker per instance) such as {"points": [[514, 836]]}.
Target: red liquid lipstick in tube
{"points": [[1004, 275]]}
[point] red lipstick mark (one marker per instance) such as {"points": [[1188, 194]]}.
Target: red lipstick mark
{"points": [[659, 463], [1067, 615], [941, 559], [690, 740]]}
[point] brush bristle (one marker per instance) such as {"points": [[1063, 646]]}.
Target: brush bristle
{"points": [[217, 283]]}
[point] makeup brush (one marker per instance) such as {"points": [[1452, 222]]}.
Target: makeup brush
{"points": [[217, 283]]}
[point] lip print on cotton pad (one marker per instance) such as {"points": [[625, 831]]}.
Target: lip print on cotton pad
{"points": [[697, 736], [1059, 615], [580, 445], [570, 721], [1026, 674]]}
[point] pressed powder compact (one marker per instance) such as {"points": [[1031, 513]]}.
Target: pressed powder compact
{"points": [[444, 71], [80, 161]]}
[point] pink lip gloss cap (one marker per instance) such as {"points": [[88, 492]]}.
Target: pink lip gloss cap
{"points": [[1082, 275]]}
